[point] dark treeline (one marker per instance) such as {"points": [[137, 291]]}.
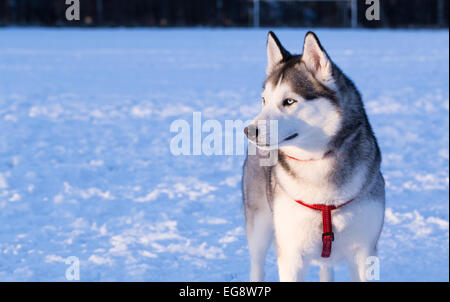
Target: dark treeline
{"points": [[393, 13]]}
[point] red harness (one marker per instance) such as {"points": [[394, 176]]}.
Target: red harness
{"points": [[327, 235]]}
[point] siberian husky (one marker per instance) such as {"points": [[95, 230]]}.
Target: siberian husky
{"points": [[323, 200]]}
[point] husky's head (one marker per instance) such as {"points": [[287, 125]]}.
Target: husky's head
{"points": [[307, 95]]}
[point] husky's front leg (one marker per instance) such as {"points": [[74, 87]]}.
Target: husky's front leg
{"points": [[291, 266], [326, 273], [357, 265], [259, 237]]}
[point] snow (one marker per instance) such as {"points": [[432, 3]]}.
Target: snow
{"points": [[86, 169]]}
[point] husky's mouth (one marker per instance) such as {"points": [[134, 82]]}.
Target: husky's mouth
{"points": [[290, 137], [268, 146]]}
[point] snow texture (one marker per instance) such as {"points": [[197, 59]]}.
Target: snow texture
{"points": [[86, 170]]}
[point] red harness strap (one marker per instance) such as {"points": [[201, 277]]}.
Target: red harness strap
{"points": [[327, 235]]}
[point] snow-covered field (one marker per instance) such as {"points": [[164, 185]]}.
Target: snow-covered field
{"points": [[86, 170]]}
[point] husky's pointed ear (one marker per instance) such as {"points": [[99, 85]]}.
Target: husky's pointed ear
{"points": [[275, 52], [316, 59]]}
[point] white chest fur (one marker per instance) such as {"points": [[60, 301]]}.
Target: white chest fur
{"points": [[310, 182]]}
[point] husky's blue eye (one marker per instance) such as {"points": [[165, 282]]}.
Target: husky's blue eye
{"points": [[288, 102]]}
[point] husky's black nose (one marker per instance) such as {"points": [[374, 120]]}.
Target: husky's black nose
{"points": [[251, 132]]}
